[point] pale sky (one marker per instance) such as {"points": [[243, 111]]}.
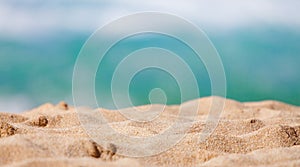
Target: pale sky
{"points": [[19, 17]]}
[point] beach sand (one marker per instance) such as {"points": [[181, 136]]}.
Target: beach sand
{"points": [[265, 133]]}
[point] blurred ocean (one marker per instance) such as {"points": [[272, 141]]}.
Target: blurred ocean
{"points": [[39, 43]]}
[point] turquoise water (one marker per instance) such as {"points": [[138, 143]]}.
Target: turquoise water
{"points": [[260, 63]]}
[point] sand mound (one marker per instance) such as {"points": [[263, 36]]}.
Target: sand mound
{"points": [[248, 134]]}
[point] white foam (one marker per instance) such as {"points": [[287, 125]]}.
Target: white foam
{"points": [[15, 104]]}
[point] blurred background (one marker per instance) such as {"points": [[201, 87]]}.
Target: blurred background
{"points": [[258, 42]]}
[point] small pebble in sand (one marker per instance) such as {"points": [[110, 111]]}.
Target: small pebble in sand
{"points": [[253, 121], [256, 124], [43, 121], [6, 129], [63, 105], [92, 149], [112, 148], [291, 134], [109, 153]]}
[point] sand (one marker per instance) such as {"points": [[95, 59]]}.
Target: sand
{"points": [[263, 133]]}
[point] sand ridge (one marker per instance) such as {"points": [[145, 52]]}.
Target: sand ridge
{"points": [[263, 133]]}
